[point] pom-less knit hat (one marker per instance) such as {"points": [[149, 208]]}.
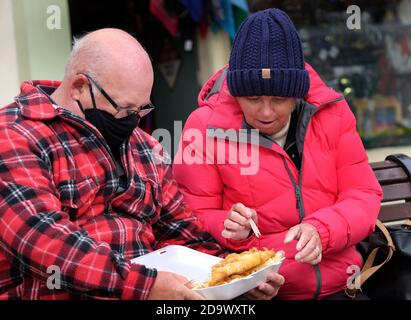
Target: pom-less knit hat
{"points": [[267, 58]]}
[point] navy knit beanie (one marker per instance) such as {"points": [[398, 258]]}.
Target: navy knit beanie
{"points": [[267, 58]]}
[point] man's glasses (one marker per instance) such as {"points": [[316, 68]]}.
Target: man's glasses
{"points": [[121, 112]]}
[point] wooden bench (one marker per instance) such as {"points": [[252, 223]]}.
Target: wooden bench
{"points": [[394, 176]]}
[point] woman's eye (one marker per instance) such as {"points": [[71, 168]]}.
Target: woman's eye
{"points": [[253, 98]]}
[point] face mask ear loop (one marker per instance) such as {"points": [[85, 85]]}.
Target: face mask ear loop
{"points": [[80, 106], [92, 96], [92, 99]]}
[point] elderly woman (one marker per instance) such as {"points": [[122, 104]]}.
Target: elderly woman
{"points": [[313, 194]]}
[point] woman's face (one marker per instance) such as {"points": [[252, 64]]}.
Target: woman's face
{"points": [[267, 113]]}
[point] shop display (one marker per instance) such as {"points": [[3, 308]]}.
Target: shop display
{"points": [[371, 66]]}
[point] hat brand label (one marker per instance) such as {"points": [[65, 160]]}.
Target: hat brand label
{"points": [[266, 73]]}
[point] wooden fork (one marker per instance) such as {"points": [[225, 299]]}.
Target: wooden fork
{"points": [[255, 228]]}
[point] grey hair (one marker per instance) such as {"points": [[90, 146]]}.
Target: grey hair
{"points": [[84, 57]]}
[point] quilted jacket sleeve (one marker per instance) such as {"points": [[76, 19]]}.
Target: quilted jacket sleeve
{"points": [[354, 214]]}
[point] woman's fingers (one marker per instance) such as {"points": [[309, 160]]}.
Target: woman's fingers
{"points": [[268, 289], [237, 225], [238, 218], [233, 226], [311, 246], [305, 237], [292, 234], [308, 245], [235, 235], [242, 210], [316, 260], [313, 258]]}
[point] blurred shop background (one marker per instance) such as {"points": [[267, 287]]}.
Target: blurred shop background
{"points": [[189, 40]]}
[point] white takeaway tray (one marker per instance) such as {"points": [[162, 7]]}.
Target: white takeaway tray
{"points": [[196, 266]]}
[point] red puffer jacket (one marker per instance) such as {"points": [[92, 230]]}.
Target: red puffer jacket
{"points": [[335, 190]]}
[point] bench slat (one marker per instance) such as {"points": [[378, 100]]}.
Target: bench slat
{"points": [[391, 175], [394, 212], [383, 165], [396, 186], [398, 191]]}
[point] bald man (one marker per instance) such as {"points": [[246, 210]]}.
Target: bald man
{"points": [[81, 191]]}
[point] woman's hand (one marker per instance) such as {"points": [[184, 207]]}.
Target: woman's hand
{"points": [[309, 243], [268, 289], [237, 225]]}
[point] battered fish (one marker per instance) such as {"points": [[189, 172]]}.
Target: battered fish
{"points": [[238, 265]]}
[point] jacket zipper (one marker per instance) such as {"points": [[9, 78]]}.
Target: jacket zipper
{"points": [[289, 146], [330, 101], [298, 192], [301, 214], [298, 186]]}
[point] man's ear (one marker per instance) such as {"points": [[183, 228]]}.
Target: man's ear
{"points": [[78, 85]]}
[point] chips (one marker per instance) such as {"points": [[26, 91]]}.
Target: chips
{"points": [[238, 265]]}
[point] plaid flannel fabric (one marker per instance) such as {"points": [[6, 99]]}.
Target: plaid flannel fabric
{"points": [[59, 207]]}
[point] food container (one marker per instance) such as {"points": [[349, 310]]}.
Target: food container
{"points": [[196, 266]]}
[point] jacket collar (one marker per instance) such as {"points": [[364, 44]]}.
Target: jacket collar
{"points": [[34, 102]]}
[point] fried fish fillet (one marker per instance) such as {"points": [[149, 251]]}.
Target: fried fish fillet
{"points": [[238, 265]]}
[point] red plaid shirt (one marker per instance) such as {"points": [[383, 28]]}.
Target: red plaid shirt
{"points": [[59, 207]]}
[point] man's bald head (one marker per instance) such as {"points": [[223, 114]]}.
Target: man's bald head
{"points": [[117, 61], [105, 51]]}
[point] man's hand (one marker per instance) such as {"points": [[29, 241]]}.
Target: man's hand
{"points": [[237, 225], [171, 286], [267, 290], [309, 243]]}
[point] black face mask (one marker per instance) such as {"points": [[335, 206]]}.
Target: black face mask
{"points": [[115, 131]]}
